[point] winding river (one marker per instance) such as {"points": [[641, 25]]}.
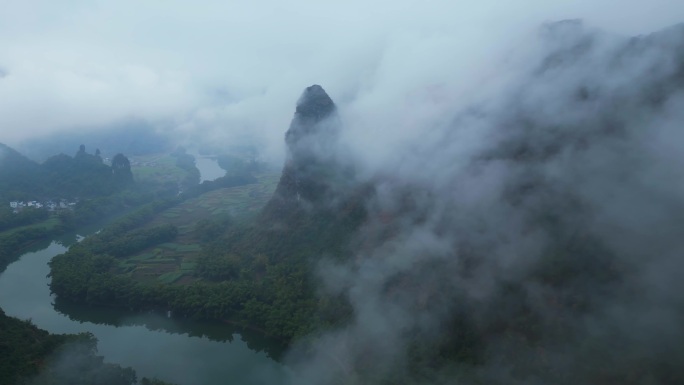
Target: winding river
{"points": [[178, 351]]}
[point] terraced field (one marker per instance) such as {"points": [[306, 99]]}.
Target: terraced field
{"points": [[158, 168], [175, 262]]}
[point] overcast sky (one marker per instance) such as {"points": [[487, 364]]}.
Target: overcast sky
{"points": [[220, 67]]}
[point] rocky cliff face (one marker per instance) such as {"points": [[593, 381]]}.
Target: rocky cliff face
{"points": [[310, 167]]}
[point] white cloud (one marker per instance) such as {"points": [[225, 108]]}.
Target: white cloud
{"points": [[234, 68]]}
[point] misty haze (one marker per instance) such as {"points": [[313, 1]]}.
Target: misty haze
{"points": [[397, 192]]}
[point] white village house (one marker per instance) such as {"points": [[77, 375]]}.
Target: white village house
{"points": [[50, 205]]}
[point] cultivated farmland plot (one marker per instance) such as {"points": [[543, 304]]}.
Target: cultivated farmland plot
{"points": [[174, 262]]}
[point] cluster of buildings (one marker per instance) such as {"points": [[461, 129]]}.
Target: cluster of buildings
{"points": [[49, 205]]}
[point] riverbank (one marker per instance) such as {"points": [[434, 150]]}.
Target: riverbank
{"points": [[15, 241], [30, 353], [174, 350], [179, 350]]}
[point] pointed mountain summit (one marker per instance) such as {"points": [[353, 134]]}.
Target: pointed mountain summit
{"points": [[314, 127], [314, 104], [310, 166]]}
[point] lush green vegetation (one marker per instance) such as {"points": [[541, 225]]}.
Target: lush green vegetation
{"points": [[222, 264], [158, 169], [252, 271], [23, 348], [31, 355], [27, 216], [197, 220], [44, 224], [186, 162], [11, 241], [101, 191], [18, 175], [61, 176]]}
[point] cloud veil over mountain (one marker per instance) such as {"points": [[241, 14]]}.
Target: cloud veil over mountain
{"points": [[534, 234], [211, 71], [507, 180]]}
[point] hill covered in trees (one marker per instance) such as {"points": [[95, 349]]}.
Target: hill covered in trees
{"points": [[254, 273], [61, 176], [31, 356], [18, 174], [42, 200]]}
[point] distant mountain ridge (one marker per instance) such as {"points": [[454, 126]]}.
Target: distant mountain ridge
{"points": [[132, 137], [60, 176]]}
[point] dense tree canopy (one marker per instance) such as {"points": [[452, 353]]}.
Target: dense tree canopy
{"points": [[33, 356], [121, 169]]}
